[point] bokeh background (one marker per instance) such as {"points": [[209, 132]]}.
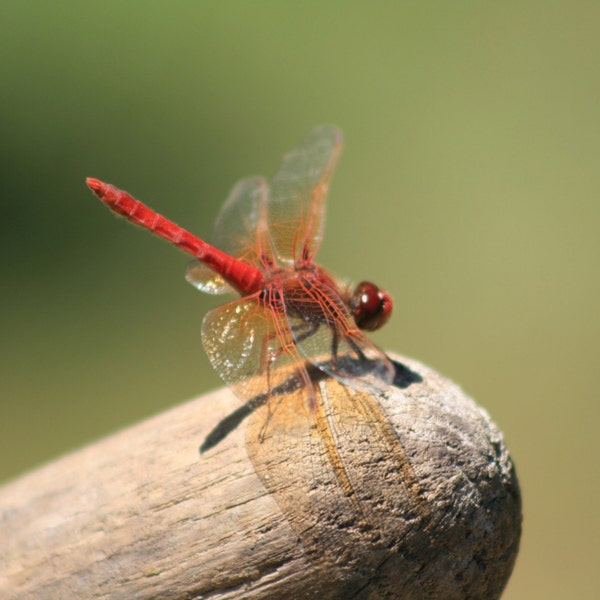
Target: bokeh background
{"points": [[468, 186]]}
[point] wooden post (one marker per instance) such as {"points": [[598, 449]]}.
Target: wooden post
{"points": [[431, 510]]}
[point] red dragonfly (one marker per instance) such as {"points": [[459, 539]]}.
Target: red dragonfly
{"points": [[293, 319]]}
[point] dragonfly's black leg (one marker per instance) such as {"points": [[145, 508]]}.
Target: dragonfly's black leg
{"points": [[359, 353], [334, 347], [310, 328]]}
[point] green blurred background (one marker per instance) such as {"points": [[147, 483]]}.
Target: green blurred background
{"points": [[468, 187]]}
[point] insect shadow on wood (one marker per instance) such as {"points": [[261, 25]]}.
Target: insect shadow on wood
{"points": [[403, 378]]}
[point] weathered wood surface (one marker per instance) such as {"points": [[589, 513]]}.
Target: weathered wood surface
{"points": [[143, 515]]}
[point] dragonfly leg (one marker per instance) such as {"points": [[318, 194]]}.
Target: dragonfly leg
{"points": [[359, 353], [309, 327], [335, 342]]}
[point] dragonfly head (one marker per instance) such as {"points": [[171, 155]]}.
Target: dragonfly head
{"points": [[370, 306]]}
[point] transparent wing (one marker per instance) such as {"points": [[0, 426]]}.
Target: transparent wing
{"points": [[338, 475], [206, 280], [250, 346], [240, 230], [325, 333], [298, 195]]}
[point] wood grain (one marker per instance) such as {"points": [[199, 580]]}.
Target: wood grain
{"points": [[142, 514]]}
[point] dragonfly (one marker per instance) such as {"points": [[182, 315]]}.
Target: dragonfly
{"points": [[293, 348], [291, 312]]}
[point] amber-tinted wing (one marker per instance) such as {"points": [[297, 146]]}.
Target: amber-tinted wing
{"points": [[240, 230], [337, 473], [250, 346], [298, 194]]}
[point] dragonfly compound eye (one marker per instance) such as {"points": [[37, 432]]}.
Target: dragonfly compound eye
{"points": [[370, 306]]}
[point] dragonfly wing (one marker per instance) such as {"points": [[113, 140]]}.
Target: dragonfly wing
{"points": [[240, 231], [299, 192], [206, 280], [326, 334], [249, 345], [338, 475]]}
